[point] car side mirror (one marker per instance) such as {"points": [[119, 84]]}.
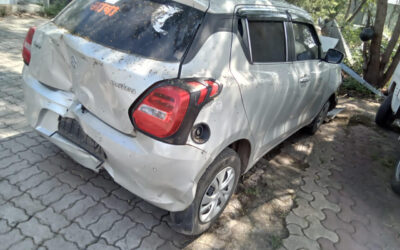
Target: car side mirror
{"points": [[334, 56]]}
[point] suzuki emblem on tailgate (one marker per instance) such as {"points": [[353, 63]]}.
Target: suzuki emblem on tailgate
{"points": [[74, 62]]}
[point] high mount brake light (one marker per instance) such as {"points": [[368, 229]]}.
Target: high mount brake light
{"points": [[168, 110], [26, 50]]}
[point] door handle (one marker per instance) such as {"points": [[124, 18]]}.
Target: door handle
{"points": [[305, 79]]}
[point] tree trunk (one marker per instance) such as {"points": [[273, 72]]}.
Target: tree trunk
{"points": [[390, 47], [374, 74], [391, 69], [348, 9]]}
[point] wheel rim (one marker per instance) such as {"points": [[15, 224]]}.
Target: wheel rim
{"points": [[217, 194], [323, 114], [397, 172]]}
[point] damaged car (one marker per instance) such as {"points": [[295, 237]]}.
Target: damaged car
{"points": [[177, 99]]}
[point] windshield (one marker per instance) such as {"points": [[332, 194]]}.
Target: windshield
{"points": [[158, 29]]}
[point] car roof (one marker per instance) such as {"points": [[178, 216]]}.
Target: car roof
{"points": [[228, 6]]}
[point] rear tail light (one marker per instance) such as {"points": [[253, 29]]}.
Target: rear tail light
{"points": [[26, 50], [168, 110]]}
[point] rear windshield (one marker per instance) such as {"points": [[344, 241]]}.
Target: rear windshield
{"points": [[158, 29]]}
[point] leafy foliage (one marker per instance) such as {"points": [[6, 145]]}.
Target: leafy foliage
{"points": [[54, 8]]}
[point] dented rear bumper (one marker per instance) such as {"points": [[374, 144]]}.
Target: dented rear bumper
{"points": [[162, 174]]}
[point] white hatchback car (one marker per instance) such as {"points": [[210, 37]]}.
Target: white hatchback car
{"points": [[177, 99]]}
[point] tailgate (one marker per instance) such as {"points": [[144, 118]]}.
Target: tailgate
{"points": [[107, 60]]}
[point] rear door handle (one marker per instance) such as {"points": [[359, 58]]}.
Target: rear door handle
{"points": [[305, 79]]}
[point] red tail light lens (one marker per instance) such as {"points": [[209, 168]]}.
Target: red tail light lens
{"points": [[168, 110], [26, 50], [161, 113]]}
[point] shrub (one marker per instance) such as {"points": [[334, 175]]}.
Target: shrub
{"points": [[55, 7]]}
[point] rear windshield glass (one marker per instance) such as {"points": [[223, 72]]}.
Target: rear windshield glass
{"points": [[158, 29]]}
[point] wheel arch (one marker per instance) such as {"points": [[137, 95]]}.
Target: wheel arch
{"points": [[243, 149], [392, 87], [333, 99]]}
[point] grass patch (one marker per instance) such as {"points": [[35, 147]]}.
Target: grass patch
{"points": [[352, 88], [360, 120], [3, 11], [276, 242]]}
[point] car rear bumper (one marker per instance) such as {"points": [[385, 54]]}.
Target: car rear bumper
{"points": [[162, 174]]}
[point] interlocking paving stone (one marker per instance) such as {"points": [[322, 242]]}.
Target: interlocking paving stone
{"points": [[292, 218], [104, 223], [133, 238], [310, 186], [316, 230], [106, 184], [51, 168], [113, 202], [146, 219], [304, 209], [30, 156], [12, 214], [150, 209], [26, 203], [168, 246], [294, 229], [54, 220], [23, 175], [124, 194], [58, 243], [101, 244], [346, 242], [93, 191], [92, 215], [118, 230], [326, 244], [14, 146], [67, 201], [35, 230], [300, 242], [27, 141], [14, 168], [26, 244], [333, 223], [78, 235], [44, 188], [70, 179], [10, 238], [33, 181], [152, 242], [8, 191], [4, 228], [79, 208], [321, 203], [55, 194]]}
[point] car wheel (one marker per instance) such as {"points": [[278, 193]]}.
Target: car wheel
{"points": [[384, 116], [319, 120], [396, 179], [214, 190]]}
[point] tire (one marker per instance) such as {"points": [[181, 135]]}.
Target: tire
{"points": [[396, 179], [313, 127], [192, 221], [384, 116]]}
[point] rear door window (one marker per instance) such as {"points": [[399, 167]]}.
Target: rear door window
{"points": [[268, 42], [158, 29]]}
